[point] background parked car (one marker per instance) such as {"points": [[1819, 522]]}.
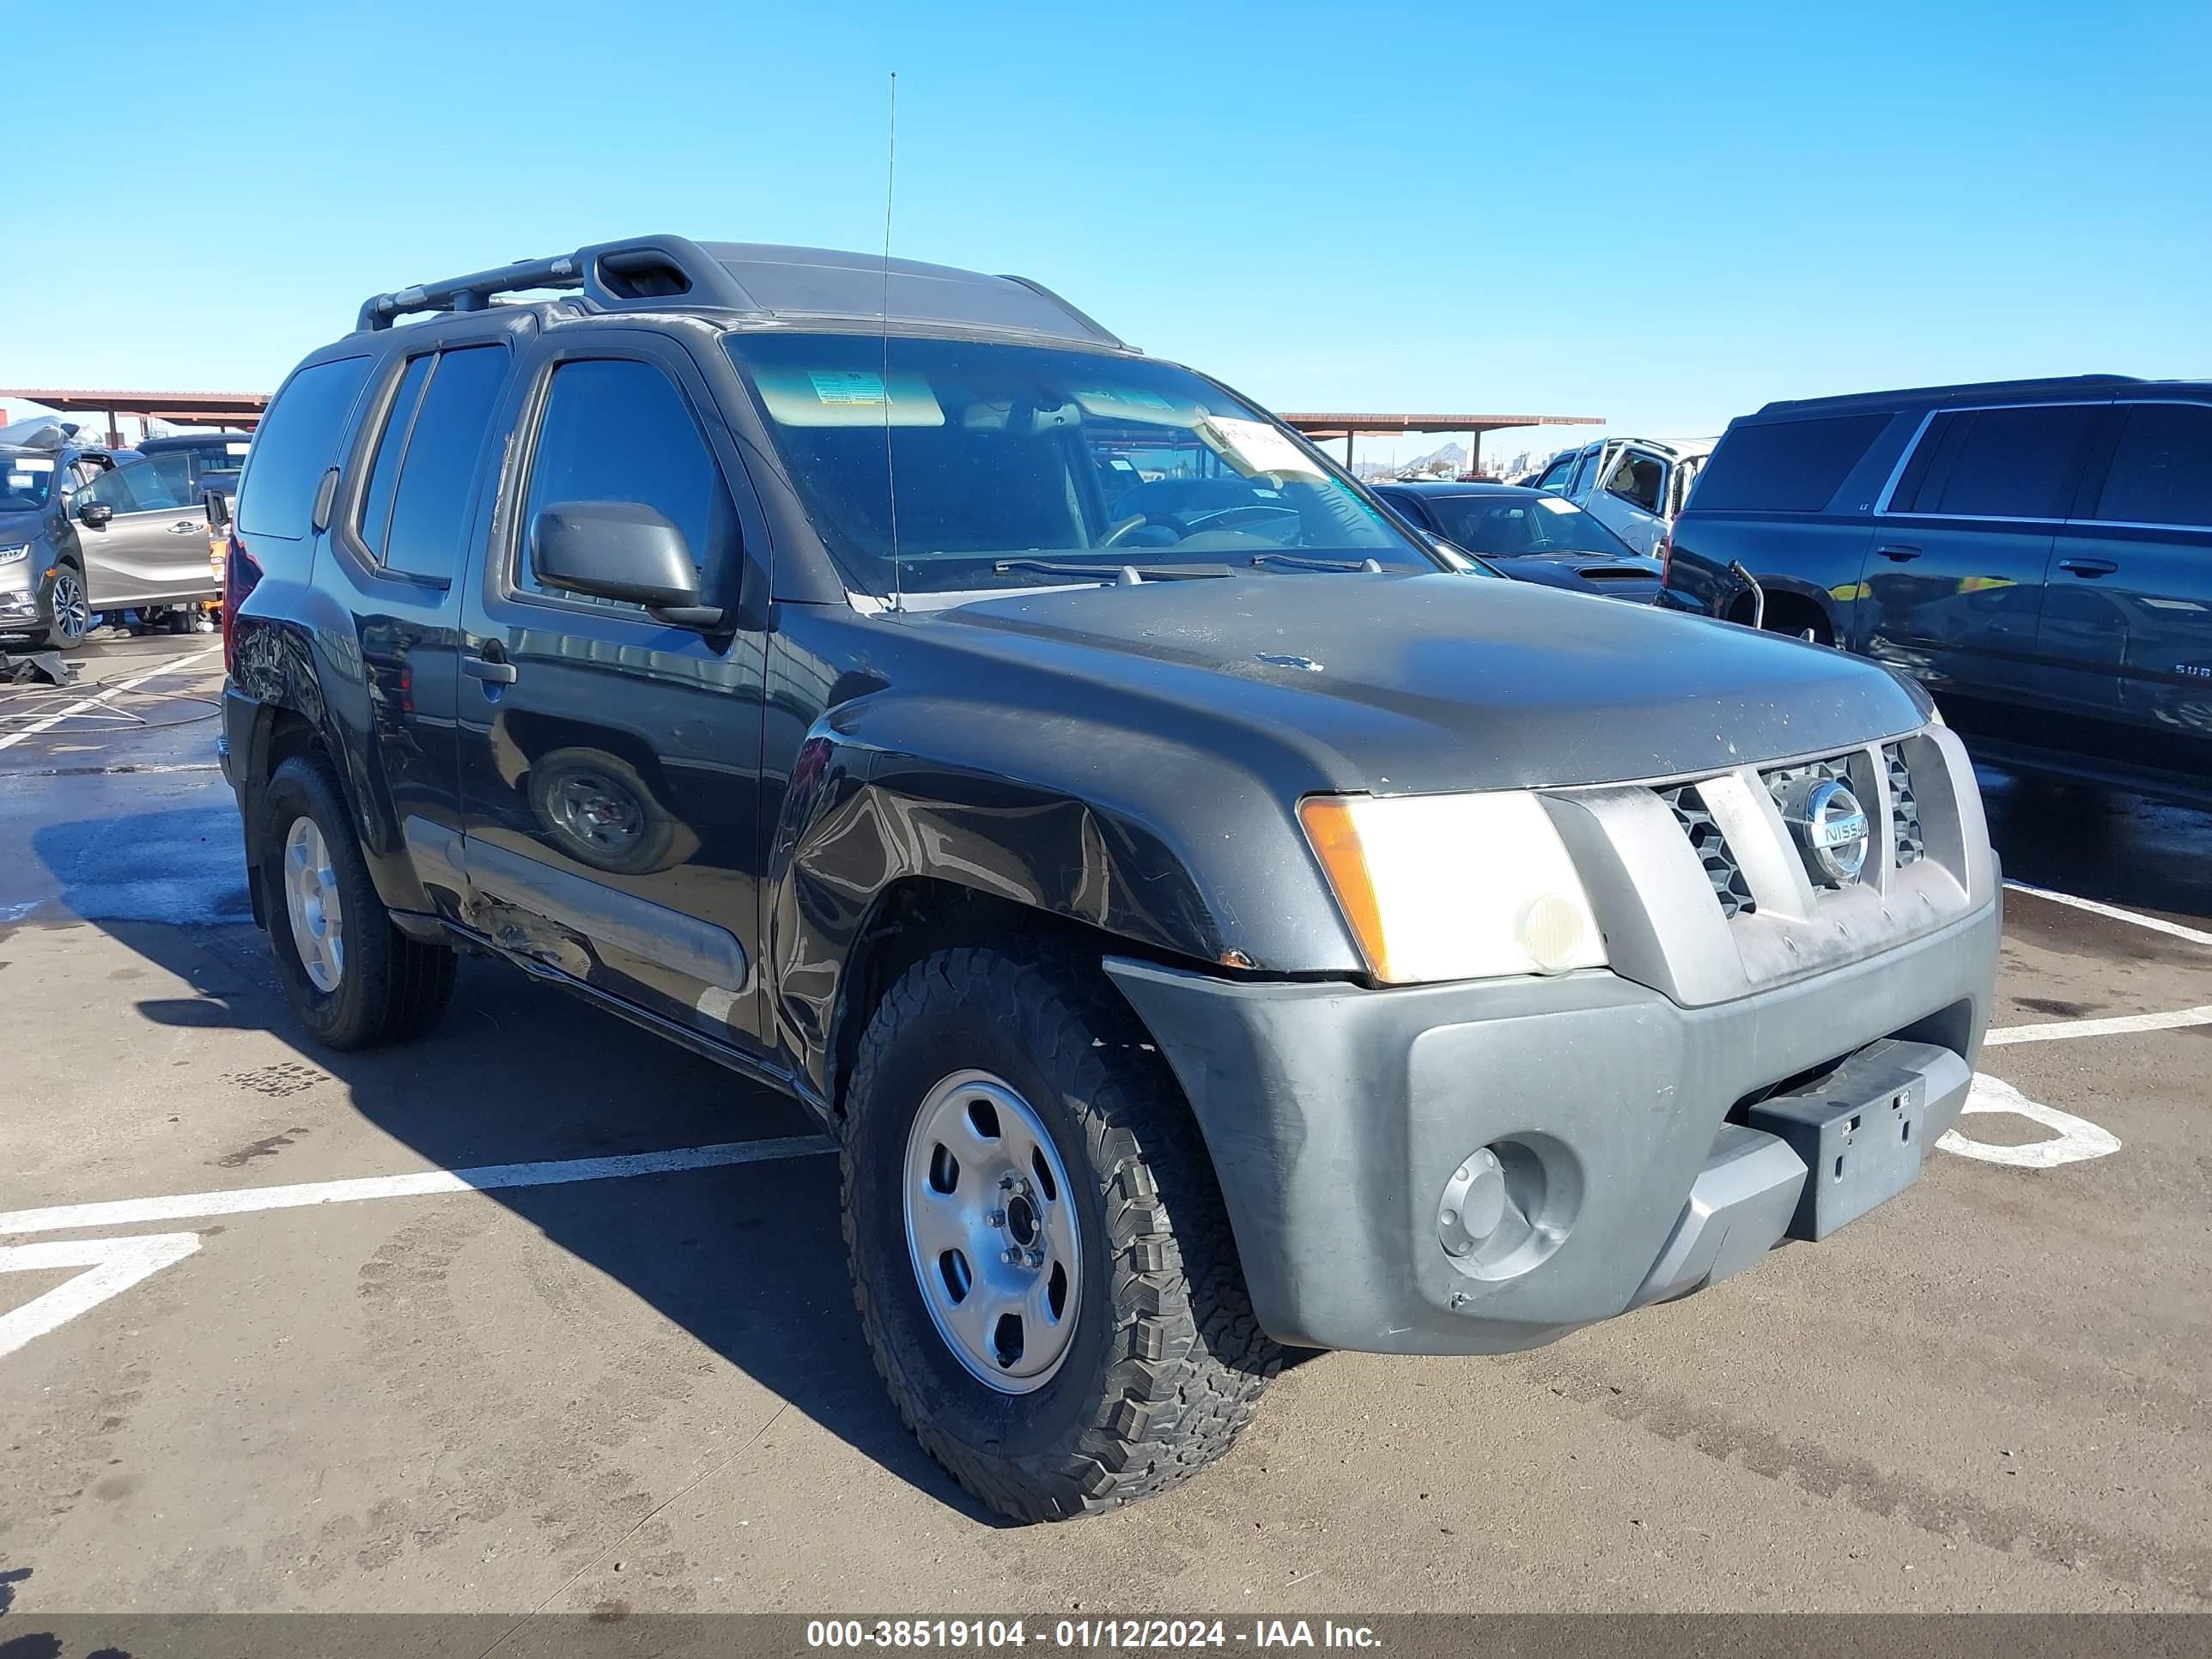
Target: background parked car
{"points": [[193, 463], [1635, 486], [1530, 536], [2039, 552], [44, 572]]}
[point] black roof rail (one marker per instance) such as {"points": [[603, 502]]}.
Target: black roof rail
{"points": [[611, 275], [759, 280], [1939, 393]]}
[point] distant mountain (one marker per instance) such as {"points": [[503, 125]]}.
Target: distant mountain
{"points": [[1446, 463]]}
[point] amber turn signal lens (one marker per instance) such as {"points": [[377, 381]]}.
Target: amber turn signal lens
{"points": [[1335, 838]]}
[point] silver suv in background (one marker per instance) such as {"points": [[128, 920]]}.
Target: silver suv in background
{"points": [[85, 529], [1633, 486]]}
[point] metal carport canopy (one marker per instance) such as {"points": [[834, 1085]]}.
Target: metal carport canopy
{"points": [[1344, 426], [180, 408]]}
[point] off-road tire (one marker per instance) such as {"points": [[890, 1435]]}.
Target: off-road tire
{"points": [[1167, 1363], [393, 987]]}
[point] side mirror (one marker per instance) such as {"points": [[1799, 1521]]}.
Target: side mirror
{"points": [[92, 515], [620, 550]]}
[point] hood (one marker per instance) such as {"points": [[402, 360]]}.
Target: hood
{"points": [[1615, 576], [18, 525], [1418, 683]]}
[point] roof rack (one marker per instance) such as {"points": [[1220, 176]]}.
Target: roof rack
{"points": [[611, 275], [759, 280]]}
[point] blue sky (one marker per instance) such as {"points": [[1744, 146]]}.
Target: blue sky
{"points": [[1663, 215]]}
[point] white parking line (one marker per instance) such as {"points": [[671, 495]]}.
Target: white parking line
{"points": [[2072, 1140], [106, 692], [2156, 924], [2058, 1030], [114, 1266], [483, 1178]]}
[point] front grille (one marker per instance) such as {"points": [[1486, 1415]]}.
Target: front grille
{"points": [[1780, 779], [1904, 811], [1712, 847]]}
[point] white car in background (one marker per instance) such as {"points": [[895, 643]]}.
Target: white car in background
{"points": [[1633, 486]]}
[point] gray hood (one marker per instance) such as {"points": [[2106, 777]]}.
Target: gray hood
{"points": [[1425, 683]]}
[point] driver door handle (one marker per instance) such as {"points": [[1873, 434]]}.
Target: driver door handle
{"points": [[186, 526], [1899, 555], [2088, 566]]}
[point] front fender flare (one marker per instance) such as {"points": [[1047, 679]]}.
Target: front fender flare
{"points": [[867, 809]]}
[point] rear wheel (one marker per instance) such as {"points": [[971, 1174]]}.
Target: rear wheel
{"points": [[353, 978], [1043, 1269]]}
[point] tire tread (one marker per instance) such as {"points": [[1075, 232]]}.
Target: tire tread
{"points": [[1186, 1361]]}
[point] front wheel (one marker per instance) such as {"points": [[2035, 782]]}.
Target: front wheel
{"points": [[353, 978], [69, 610], [1043, 1268]]}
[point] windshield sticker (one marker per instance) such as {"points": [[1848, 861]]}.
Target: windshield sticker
{"points": [[1556, 504], [234, 449], [19, 481], [1122, 403], [31, 466], [1107, 400], [846, 386], [1254, 447], [847, 396]]}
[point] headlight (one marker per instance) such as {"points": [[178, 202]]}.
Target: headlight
{"points": [[9, 554], [1439, 887]]}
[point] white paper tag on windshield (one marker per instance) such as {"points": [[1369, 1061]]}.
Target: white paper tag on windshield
{"points": [[846, 385], [234, 449], [19, 481], [1256, 447], [1111, 400], [32, 466], [1555, 504]]}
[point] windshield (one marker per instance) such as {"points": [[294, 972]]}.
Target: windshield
{"points": [[26, 480], [1506, 525], [1006, 453]]}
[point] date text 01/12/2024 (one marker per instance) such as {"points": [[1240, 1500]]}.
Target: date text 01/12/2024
{"points": [[1086, 1633]]}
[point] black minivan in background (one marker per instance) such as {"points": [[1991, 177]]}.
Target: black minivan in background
{"points": [[2038, 553]]}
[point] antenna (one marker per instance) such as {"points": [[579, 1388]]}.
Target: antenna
{"points": [[890, 477]]}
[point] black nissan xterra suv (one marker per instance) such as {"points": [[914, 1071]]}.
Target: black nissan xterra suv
{"points": [[1205, 921]]}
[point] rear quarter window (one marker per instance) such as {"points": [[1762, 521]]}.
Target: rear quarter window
{"points": [[1785, 466], [2161, 471], [298, 442]]}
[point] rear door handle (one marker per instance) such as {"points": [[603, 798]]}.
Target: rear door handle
{"points": [[186, 526], [1899, 555], [492, 671], [2088, 566]]}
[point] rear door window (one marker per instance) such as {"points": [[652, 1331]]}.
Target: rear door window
{"points": [[1786, 466], [1995, 462], [430, 511], [297, 443], [2161, 471], [384, 468]]}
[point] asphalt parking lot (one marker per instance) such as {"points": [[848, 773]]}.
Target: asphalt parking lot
{"points": [[256, 1351]]}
